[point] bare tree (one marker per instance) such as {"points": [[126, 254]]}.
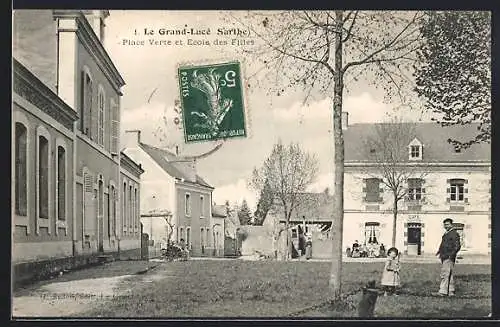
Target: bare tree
{"points": [[325, 52], [289, 171], [388, 149]]}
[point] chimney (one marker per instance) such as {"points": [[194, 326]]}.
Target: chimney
{"points": [[132, 138], [345, 120], [96, 20]]}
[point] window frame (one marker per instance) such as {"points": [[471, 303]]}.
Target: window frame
{"points": [[187, 204], [62, 223], [41, 131], [24, 158], [101, 116], [202, 206], [415, 190], [369, 227], [86, 107], [378, 195], [457, 190], [19, 117], [114, 120]]}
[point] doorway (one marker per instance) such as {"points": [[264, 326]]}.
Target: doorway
{"points": [[414, 239]]}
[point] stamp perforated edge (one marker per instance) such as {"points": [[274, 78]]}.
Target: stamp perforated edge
{"points": [[244, 89]]}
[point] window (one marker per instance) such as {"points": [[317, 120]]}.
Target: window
{"points": [[457, 190], [208, 237], [188, 237], [415, 189], [372, 232], [61, 183], [86, 103], [202, 240], [43, 177], [372, 190], [202, 206], [100, 197], [181, 234], [21, 170], [111, 211], [130, 212], [460, 230], [187, 204], [136, 210], [415, 151], [124, 208], [115, 126], [100, 116]]}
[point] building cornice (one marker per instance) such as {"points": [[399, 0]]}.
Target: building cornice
{"points": [[94, 46], [194, 186], [475, 163], [127, 163], [36, 92]]}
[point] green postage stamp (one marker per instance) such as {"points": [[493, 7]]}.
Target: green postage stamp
{"points": [[212, 102]]}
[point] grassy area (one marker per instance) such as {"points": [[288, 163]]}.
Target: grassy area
{"points": [[236, 288]]}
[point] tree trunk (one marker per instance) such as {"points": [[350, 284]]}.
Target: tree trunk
{"points": [[338, 210], [287, 250], [394, 221]]}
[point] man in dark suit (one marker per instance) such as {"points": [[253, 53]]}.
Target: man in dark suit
{"points": [[448, 249]]}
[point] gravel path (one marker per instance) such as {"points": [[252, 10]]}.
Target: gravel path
{"points": [[77, 292]]}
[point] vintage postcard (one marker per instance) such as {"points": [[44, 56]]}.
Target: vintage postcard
{"points": [[251, 164]]}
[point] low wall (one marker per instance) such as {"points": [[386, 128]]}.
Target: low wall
{"points": [[28, 272]]}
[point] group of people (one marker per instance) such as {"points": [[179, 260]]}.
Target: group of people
{"points": [[372, 250], [447, 253]]}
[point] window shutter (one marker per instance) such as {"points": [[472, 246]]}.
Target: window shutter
{"points": [[88, 203], [448, 190], [466, 200], [423, 190], [448, 181], [115, 127], [448, 200], [466, 190]]}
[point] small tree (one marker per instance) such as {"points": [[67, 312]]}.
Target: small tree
{"points": [[389, 156], [266, 200], [454, 77], [289, 170], [244, 214]]}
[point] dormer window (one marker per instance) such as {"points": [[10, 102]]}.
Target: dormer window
{"points": [[415, 150]]}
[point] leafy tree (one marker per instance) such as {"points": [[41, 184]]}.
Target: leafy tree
{"points": [[454, 77], [264, 204], [288, 171], [244, 213], [325, 52]]}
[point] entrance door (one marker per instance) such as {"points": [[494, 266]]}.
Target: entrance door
{"points": [[414, 239]]}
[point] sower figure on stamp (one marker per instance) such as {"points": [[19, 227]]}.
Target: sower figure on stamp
{"points": [[450, 245]]}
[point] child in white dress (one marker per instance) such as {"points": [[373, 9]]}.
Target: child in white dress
{"points": [[390, 276]]}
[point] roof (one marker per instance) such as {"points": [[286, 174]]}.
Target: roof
{"points": [[219, 211], [164, 158], [312, 206], [433, 137]]}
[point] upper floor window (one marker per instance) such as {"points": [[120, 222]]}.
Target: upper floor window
{"points": [[202, 206], [61, 183], [101, 100], [415, 150], [21, 172], [86, 103], [415, 189], [372, 190], [187, 204], [457, 190], [115, 126], [43, 177]]}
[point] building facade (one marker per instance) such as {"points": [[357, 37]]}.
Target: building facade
{"points": [[175, 201], [67, 100], [444, 182]]}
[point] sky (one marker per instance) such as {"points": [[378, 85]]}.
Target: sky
{"points": [[151, 90]]}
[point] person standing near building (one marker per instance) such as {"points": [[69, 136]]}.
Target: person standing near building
{"points": [[447, 252]]}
